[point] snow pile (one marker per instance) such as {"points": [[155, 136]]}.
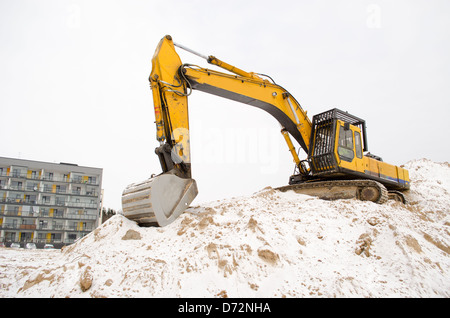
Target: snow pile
{"points": [[270, 244]]}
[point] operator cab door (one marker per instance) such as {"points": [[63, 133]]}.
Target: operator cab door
{"points": [[348, 151]]}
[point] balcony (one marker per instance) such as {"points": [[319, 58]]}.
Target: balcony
{"points": [[15, 226], [77, 179], [79, 228], [81, 217], [8, 226], [48, 189], [47, 227], [27, 227], [46, 215], [49, 241], [49, 203]]}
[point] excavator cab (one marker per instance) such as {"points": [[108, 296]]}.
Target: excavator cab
{"points": [[339, 141]]}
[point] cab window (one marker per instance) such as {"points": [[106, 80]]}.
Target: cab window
{"points": [[358, 145], [345, 144]]}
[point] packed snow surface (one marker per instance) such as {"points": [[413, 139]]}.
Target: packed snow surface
{"points": [[270, 244]]}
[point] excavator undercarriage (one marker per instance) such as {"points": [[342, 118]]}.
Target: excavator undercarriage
{"points": [[364, 190]]}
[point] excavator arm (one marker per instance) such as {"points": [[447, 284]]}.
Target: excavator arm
{"points": [[171, 112]]}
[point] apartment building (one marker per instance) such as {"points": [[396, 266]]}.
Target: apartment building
{"points": [[48, 203]]}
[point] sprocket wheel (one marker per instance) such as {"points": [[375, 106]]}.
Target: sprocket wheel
{"points": [[369, 194]]}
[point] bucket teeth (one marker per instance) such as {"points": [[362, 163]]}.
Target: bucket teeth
{"points": [[158, 200]]}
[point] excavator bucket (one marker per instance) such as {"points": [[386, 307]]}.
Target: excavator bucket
{"points": [[158, 201]]}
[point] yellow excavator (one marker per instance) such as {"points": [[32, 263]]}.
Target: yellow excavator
{"points": [[337, 166]]}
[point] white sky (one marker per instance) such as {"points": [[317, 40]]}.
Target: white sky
{"points": [[74, 82]]}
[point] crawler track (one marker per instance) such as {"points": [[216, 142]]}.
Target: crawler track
{"points": [[365, 190]]}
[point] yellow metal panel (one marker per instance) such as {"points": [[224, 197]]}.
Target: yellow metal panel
{"points": [[406, 175], [388, 171], [51, 212], [54, 188], [400, 173], [374, 168]]}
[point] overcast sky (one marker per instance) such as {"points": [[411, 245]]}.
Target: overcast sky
{"points": [[74, 82]]}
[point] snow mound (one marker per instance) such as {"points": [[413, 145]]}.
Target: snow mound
{"points": [[270, 244], [430, 186]]}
